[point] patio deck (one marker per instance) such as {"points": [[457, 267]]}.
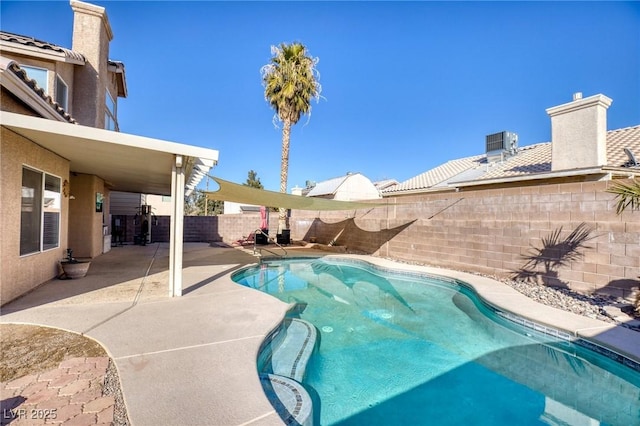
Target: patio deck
{"points": [[192, 359]]}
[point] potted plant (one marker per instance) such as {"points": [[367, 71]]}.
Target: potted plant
{"points": [[73, 268]]}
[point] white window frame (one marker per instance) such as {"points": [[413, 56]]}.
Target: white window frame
{"points": [[55, 206]]}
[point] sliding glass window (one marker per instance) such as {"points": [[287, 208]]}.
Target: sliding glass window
{"points": [[40, 211]]}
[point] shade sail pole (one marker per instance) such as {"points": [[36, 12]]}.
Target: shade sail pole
{"points": [[176, 231]]}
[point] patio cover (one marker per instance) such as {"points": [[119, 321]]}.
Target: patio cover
{"points": [[230, 191], [126, 163]]}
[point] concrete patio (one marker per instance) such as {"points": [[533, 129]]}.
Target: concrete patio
{"points": [[192, 359], [187, 360]]}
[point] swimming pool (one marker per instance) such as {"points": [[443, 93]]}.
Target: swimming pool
{"points": [[399, 348]]}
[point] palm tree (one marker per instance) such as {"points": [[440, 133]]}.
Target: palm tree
{"points": [[627, 195], [290, 82]]}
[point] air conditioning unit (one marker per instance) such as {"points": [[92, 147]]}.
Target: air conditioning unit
{"points": [[501, 145]]}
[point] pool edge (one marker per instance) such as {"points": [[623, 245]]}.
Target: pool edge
{"points": [[611, 337]]}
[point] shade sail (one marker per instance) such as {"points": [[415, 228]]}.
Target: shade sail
{"points": [[230, 191]]}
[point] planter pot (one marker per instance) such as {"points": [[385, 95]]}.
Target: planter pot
{"points": [[75, 269]]}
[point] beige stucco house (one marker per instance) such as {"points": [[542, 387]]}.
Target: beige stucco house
{"points": [[62, 154]]}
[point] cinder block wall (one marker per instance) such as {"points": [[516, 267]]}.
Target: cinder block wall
{"points": [[223, 228], [493, 231]]}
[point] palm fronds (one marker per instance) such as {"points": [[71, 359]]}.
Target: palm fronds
{"points": [[627, 195]]}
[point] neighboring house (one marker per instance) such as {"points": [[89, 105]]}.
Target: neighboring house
{"points": [[351, 187], [308, 186], [160, 204], [62, 154], [296, 190], [231, 207], [581, 149]]}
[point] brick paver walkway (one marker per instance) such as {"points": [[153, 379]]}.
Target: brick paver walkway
{"points": [[71, 394]]}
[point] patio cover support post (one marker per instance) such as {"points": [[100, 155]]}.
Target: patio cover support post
{"points": [[176, 230]]}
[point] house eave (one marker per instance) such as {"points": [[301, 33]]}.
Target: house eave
{"points": [[417, 191], [38, 52], [118, 69], [601, 173], [590, 171]]}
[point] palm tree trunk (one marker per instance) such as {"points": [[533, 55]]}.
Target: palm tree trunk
{"points": [[284, 172]]}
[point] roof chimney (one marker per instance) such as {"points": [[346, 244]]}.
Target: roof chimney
{"points": [[579, 133], [91, 36]]}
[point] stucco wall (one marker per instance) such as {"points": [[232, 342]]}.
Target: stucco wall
{"points": [[19, 274], [85, 231], [12, 104], [160, 205], [493, 231]]}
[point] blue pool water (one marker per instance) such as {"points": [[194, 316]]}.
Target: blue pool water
{"points": [[405, 349]]}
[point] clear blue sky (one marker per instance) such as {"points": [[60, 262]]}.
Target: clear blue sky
{"points": [[406, 85]]}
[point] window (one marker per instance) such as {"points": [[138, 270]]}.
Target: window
{"points": [[39, 75], [40, 212], [110, 122], [61, 92], [30, 212], [51, 213]]}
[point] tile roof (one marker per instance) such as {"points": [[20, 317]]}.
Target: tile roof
{"points": [[531, 159], [7, 65], [440, 174], [33, 42], [619, 139], [69, 55]]}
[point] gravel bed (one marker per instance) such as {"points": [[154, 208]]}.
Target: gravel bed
{"points": [[112, 388], [591, 306]]}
